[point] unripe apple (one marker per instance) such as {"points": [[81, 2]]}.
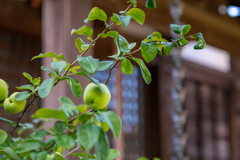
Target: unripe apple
{"points": [[3, 90], [13, 106], [95, 98]]}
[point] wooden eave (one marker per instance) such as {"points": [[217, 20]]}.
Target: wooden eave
{"points": [[217, 30]]}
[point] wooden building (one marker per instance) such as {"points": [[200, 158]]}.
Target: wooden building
{"points": [[28, 27]]}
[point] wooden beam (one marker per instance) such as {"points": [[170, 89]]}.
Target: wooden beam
{"points": [[18, 17]]}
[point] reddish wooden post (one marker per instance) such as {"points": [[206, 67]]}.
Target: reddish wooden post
{"points": [[58, 18]]}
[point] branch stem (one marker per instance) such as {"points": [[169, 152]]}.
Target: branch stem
{"points": [[19, 118], [65, 73]]}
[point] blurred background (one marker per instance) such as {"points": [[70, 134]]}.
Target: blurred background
{"points": [[207, 124]]}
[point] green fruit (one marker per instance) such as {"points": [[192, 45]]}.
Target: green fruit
{"points": [[3, 90], [95, 98], [13, 106]]}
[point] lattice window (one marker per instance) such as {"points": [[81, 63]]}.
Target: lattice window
{"points": [[132, 111], [208, 124]]}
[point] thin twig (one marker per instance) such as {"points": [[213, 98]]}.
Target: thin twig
{"points": [[19, 118], [110, 71], [72, 151]]}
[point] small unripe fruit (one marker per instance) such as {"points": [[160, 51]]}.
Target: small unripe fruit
{"points": [[13, 106], [3, 90], [95, 98]]}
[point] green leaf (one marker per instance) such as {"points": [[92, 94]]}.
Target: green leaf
{"points": [[82, 155], [49, 54], [7, 120], [79, 43], [157, 35], [122, 45], [45, 88], [115, 19], [114, 122], [10, 153], [167, 47], [74, 69], [145, 72], [137, 14], [175, 28], [87, 135], [67, 106], [101, 148], [58, 156], [41, 133], [50, 113], [22, 96], [69, 78], [59, 126], [95, 81], [41, 155], [201, 42], [104, 65], [28, 145], [149, 51], [83, 118], [36, 81], [28, 86], [76, 88], [113, 34], [58, 66], [96, 13], [125, 20], [84, 30], [112, 154], [182, 42], [151, 4], [131, 46], [126, 66], [3, 136], [88, 64], [134, 3], [155, 158], [47, 69], [28, 76], [65, 141], [184, 29], [82, 108]]}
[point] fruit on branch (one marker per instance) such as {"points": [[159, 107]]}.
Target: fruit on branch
{"points": [[3, 90], [11, 105], [95, 98]]}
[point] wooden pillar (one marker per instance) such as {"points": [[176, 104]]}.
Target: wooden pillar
{"points": [[58, 18]]}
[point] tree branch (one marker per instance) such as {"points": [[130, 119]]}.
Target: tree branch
{"points": [[19, 118], [65, 73], [110, 71]]}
